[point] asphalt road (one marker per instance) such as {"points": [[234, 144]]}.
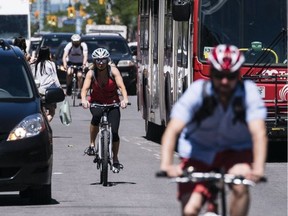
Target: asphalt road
{"points": [[134, 191]]}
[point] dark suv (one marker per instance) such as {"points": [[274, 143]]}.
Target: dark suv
{"points": [[120, 54], [26, 145]]}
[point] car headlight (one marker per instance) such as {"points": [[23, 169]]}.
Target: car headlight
{"points": [[30, 126], [125, 63]]}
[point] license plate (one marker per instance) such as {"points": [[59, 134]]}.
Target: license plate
{"points": [[261, 90], [125, 74]]}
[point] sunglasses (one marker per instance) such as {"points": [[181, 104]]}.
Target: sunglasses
{"points": [[221, 75], [104, 61]]}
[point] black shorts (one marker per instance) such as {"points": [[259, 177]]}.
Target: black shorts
{"points": [[113, 118]]}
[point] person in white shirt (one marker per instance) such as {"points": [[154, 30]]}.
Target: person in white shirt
{"points": [[76, 54], [45, 74]]}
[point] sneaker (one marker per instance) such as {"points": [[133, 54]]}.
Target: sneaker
{"points": [[116, 167], [90, 151]]}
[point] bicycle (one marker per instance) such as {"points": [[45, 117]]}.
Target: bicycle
{"points": [[75, 69], [103, 157], [217, 180]]}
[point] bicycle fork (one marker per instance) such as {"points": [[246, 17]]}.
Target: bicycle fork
{"points": [[99, 140]]}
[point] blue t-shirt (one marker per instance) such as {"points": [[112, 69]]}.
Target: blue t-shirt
{"points": [[217, 132]]}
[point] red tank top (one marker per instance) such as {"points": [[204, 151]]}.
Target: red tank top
{"points": [[104, 95]]}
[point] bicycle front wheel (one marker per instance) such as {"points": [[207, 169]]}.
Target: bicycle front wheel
{"points": [[105, 157]]}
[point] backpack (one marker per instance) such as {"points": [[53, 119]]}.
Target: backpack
{"points": [[210, 102], [73, 47]]}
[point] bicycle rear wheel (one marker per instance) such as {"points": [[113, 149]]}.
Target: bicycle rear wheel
{"points": [[105, 158], [74, 91]]}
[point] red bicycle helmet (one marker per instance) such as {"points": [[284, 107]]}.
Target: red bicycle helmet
{"points": [[226, 58]]}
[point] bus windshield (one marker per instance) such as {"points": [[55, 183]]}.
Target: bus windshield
{"points": [[258, 28], [14, 26]]}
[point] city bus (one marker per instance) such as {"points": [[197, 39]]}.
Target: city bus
{"points": [[176, 36], [15, 19]]}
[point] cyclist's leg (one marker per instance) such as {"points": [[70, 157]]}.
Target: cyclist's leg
{"points": [[191, 203], [193, 195], [50, 111], [94, 129], [94, 125], [238, 163], [69, 80], [114, 119], [80, 79], [239, 200]]}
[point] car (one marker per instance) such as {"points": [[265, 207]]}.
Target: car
{"points": [[61, 72], [133, 47], [26, 144], [120, 54], [34, 43], [53, 40]]}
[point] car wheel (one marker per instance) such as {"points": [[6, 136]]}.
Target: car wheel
{"points": [[41, 195]]}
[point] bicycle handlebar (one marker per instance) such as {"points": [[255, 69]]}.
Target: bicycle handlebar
{"points": [[190, 176], [105, 105]]}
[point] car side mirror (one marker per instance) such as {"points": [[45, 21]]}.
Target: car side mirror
{"points": [[54, 95]]}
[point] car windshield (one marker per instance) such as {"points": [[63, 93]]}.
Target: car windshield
{"points": [[115, 47], [14, 83], [54, 42]]}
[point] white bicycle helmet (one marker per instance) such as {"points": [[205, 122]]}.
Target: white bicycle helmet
{"points": [[226, 58], [76, 37], [100, 53]]}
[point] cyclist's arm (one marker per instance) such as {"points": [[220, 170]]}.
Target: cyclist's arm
{"points": [[257, 129], [85, 88], [120, 83], [85, 54], [65, 54], [168, 143], [64, 59]]}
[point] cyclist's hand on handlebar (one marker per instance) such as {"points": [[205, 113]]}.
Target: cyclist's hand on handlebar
{"points": [[174, 171], [85, 104], [123, 104]]}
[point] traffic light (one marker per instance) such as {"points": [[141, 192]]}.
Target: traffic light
{"points": [[36, 14], [89, 21], [53, 20], [71, 12], [101, 2], [108, 20]]}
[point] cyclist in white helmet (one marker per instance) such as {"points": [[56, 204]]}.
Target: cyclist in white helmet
{"points": [[105, 81], [75, 54], [217, 124]]}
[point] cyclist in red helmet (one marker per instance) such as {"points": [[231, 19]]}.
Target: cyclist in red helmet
{"points": [[217, 124]]}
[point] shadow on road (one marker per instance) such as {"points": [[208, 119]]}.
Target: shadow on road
{"points": [[110, 184], [15, 200]]}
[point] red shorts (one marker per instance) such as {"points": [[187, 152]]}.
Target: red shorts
{"points": [[225, 159]]}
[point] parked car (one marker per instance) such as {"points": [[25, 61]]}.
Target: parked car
{"points": [[120, 54], [26, 145]]}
